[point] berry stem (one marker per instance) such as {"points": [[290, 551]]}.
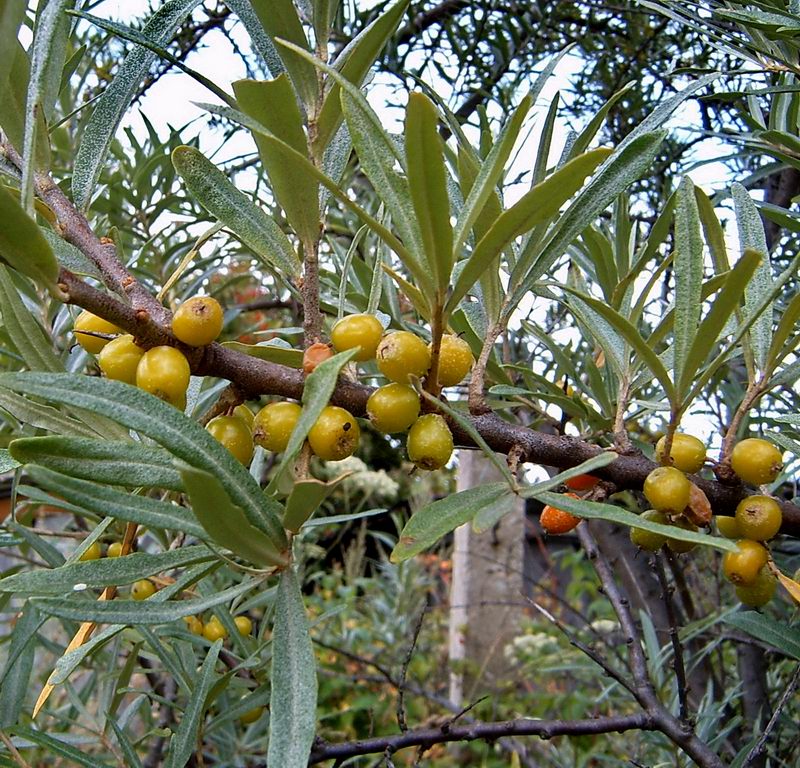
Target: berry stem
{"points": [[437, 329]]}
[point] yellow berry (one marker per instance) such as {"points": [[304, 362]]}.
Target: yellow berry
{"points": [[687, 454], [119, 359], [455, 360], [667, 489], [393, 408], [213, 630], [194, 625], [728, 527], [679, 545], [274, 423], [93, 552], [758, 518], [243, 412], [198, 321], [251, 715], [234, 434], [760, 592], [244, 625], [430, 442], [164, 372], [648, 540], [402, 354], [86, 321], [143, 589], [335, 434], [742, 566], [114, 549], [756, 461], [362, 332]]}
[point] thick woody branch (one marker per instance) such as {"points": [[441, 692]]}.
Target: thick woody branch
{"points": [[254, 377], [428, 737]]}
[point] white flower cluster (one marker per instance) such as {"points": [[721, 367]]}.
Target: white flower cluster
{"points": [[537, 644], [375, 484]]}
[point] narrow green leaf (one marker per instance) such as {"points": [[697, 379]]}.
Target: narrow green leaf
{"points": [[429, 524], [632, 336], [128, 751], [262, 42], [317, 393], [627, 163], [427, 181], [138, 410], [786, 326], [225, 523], [535, 207], [354, 63], [135, 612], [725, 304], [41, 416], [293, 698], [121, 505], [184, 740], [102, 125], [125, 463], [483, 184], [619, 516], [280, 21], [14, 77], [48, 52], [336, 519], [16, 676], [23, 246], [7, 461], [54, 746], [305, 498], [585, 137], [688, 268], [106, 572], [252, 225], [751, 235], [69, 256], [273, 104], [271, 351], [769, 631]]}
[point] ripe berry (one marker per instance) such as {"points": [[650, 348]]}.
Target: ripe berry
{"points": [[114, 549], [164, 372], [687, 453], [760, 592], [335, 434], [119, 359], [430, 442], [649, 540], [251, 716], [143, 589], [198, 321], [402, 354], [758, 517], [455, 360], [742, 566], [582, 482], [678, 545], [86, 321], [556, 521], [357, 331], [194, 625], [393, 408], [728, 527], [667, 489], [213, 630], [234, 434], [243, 412], [274, 423], [93, 552], [756, 461], [314, 355], [244, 625]]}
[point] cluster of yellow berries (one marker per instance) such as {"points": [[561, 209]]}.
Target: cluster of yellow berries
{"points": [[214, 629], [162, 371], [393, 408], [757, 518]]}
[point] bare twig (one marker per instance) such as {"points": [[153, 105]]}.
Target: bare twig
{"points": [[758, 747], [401, 703]]}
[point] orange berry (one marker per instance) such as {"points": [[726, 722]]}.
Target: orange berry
{"points": [[556, 521]]}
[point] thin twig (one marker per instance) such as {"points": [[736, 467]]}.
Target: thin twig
{"points": [[401, 702], [677, 649], [773, 721]]}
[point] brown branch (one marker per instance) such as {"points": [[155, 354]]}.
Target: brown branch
{"points": [[427, 737], [255, 377]]}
